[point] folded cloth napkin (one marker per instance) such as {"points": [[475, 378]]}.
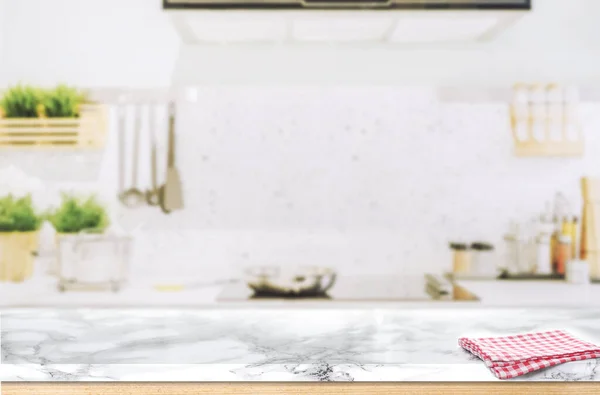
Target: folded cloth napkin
{"points": [[513, 356]]}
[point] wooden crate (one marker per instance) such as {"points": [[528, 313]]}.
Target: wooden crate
{"points": [[86, 132]]}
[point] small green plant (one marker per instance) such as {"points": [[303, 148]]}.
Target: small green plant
{"points": [[76, 214], [22, 101], [26, 101], [63, 102], [18, 215]]}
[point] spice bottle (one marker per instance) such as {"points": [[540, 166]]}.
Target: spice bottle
{"points": [[565, 227], [563, 253], [554, 244], [461, 263], [575, 238]]}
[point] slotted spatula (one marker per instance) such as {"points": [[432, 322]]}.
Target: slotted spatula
{"points": [[172, 194]]}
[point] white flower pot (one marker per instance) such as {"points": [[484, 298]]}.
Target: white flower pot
{"points": [[92, 259]]}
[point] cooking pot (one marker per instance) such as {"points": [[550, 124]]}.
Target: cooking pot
{"points": [[294, 282]]}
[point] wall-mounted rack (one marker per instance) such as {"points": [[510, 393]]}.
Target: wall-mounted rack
{"points": [[544, 118]]}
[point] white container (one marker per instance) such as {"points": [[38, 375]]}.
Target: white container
{"points": [[578, 272], [543, 254], [93, 260]]}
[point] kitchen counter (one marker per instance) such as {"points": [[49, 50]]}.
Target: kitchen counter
{"points": [[42, 292], [249, 344], [534, 293]]}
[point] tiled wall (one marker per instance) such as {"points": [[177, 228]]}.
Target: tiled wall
{"points": [[367, 179]]}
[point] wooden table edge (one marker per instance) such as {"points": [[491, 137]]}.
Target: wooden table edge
{"points": [[271, 388]]}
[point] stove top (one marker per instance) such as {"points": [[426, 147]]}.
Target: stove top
{"points": [[358, 288]]}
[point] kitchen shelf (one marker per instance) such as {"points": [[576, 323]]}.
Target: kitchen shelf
{"points": [[550, 148], [88, 131], [454, 94], [446, 94]]}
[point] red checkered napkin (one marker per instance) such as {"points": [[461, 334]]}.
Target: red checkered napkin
{"points": [[512, 356]]}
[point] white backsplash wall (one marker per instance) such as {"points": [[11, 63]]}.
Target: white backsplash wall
{"points": [[366, 179]]}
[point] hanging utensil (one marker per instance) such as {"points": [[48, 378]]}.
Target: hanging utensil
{"points": [[121, 139], [134, 197], [153, 194], [171, 192], [161, 188]]}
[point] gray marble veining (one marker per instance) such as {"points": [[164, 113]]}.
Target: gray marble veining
{"points": [[273, 345]]}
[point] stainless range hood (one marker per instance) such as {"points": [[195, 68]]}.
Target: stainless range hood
{"points": [[387, 21]]}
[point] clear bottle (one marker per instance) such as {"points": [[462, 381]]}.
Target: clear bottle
{"points": [[517, 257]]}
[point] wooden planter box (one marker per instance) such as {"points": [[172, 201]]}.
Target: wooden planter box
{"points": [[87, 131], [17, 251]]}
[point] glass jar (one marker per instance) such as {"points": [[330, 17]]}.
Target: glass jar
{"points": [[461, 263], [517, 254], [482, 263]]}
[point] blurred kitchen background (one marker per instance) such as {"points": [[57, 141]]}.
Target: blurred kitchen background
{"points": [[367, 158]]}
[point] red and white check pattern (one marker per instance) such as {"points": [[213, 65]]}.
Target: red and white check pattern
{"points": [[513, 356]]}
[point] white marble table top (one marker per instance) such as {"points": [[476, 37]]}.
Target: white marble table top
{"points": [[272, 345]]}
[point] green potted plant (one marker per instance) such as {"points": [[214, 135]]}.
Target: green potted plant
{"points": [[22, 101], [77, 214], [59, 116], [63, 102], [86, 252], [19, 226]]}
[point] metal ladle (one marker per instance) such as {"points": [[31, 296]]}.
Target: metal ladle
{"points": [[134, 197]]}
